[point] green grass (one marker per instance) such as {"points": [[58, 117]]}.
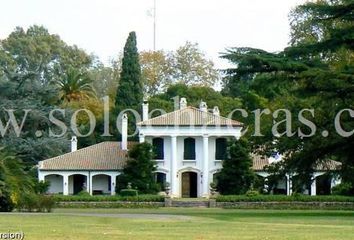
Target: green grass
{"points": [[192, 223]]}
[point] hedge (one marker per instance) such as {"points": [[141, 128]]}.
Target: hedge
{"points": [[283, 198], [116, 198]]}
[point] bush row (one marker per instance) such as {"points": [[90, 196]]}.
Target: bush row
{"points": [[283, 198], [110, 204], [33, 202], [85, 198]]}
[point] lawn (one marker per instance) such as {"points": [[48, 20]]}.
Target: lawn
{"points": [[172, 223]]}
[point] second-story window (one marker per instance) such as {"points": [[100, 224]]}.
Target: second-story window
{"points": [[189, 149], [157, 144], [220, 148]]}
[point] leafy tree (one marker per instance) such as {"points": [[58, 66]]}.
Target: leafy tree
{"points": [[139, 170], [130, 89], [187, 65], [156, 71], [194, 95], [29, 62], [105, 79], [192, 67], [236, 175], [40, 53], [316, 71]]}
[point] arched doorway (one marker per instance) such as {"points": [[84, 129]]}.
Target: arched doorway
{"points": [[77, 183], [323, 184], [101, 184], [55, 183], [189, 185]]}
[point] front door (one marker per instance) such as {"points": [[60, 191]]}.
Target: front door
{"points": [[79, 183], [189, 185]]}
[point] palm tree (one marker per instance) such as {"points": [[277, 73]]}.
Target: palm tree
{"points": [[13, 178], [76, 86]]}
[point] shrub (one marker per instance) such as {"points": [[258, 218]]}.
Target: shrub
{"points": [[28, 202], [343, 189], [83, 193], [128, 192], [283, 198], [42, 187], [252, 193], [103, 198], [32, 202], [46, 203], [6, 204]]}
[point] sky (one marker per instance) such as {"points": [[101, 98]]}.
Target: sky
{"points": [[102, 26]]}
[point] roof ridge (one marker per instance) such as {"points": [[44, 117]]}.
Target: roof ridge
{"points": [[166, 115]]}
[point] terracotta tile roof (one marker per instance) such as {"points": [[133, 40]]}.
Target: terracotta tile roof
{"points": [[101, 156], [189, 116], [259, 162]]}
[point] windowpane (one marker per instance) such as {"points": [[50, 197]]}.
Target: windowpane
{"points": [[221, 147], [157, 144], [189, 149]]}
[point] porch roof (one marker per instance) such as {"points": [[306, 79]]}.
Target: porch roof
{"points": [[101, 156], [259, 162]]}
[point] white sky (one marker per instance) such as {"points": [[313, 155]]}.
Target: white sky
{"points": [[102, 26]]}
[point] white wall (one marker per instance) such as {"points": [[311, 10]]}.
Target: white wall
{"points": [[56, 183], [101, 182], [187, 165]]}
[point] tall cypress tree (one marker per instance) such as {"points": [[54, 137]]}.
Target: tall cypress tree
{"points": [[130, 89]]}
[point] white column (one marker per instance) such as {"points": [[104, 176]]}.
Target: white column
{"points": [[205, 184], [174, 190], [125, 132], [113, 185], [141, 138], [65, 185], [89, 184], [289, 185], [41, 177], [313, 185]]}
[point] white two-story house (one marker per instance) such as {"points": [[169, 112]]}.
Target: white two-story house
{"points": [[189, 144]]}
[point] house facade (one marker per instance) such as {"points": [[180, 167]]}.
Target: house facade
{"points": [[189, 145]]}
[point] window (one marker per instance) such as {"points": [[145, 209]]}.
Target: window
{"points": [[189, 149], [160, 179], [157, 144], [220, 148]]}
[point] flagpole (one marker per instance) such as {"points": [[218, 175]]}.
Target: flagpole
{"points": [[154, 25]]}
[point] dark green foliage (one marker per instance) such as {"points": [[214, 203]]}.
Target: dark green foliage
{"points": [[108, 198], [194, 94], [13, 178], [128, 192], [30, 202], [41, 187], [130, 89], [139, 170], [343, 189], [6, 204], [236, 175], [282, 198], [317, 72], [31, 63]]}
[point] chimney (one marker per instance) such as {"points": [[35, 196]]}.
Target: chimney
{"points": [[124, 143], [216, 111], [73, 143], [145, 110], [203, 106], [183, 103]]}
